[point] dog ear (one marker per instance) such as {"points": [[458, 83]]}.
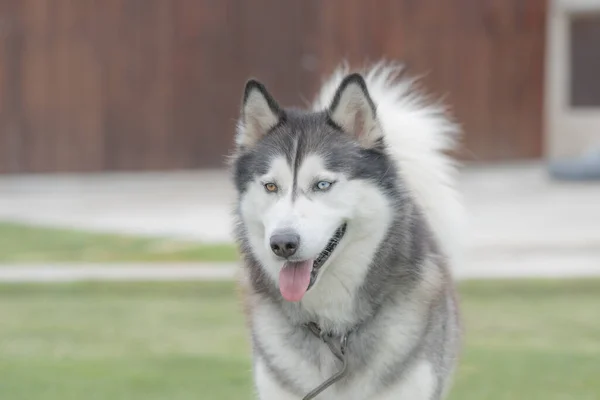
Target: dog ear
{"points": [[354, 112], [260, 113]]}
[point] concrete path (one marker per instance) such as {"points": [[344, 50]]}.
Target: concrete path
{"points": [[184, 205], [521, 223], [508, 205], [496, 267], [112, 272]]}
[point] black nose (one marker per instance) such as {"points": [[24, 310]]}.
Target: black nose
{"points": [[285, 244]]}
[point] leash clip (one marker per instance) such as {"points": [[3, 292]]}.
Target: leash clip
{"points": [[340, 354]]}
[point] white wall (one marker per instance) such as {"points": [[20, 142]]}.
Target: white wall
{"points": [[568, 131]]}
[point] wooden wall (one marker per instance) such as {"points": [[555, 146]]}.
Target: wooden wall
{"points": [[95, 85]]}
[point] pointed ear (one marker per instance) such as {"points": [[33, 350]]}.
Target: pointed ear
{"points": [[353, 110], [260, 113]]}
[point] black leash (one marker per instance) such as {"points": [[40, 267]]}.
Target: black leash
{"points": [[340, 354]]}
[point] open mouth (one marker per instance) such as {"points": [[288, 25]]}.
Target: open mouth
{"points": [[324, 256], [297, 277]]}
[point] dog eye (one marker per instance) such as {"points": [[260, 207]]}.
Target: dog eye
{"points": [[323, 185], [271, 187]]}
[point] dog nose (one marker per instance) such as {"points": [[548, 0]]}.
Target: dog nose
{"points": [[285, 244]]}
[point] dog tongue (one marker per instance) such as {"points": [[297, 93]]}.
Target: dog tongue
{"points": [[294, 279]]}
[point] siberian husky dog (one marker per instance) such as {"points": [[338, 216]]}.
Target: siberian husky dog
{"points": [[348, 222]]}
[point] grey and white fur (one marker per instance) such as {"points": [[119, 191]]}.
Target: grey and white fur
{"points": [[369, 157]]}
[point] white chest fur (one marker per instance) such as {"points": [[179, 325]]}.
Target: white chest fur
{"points": [[399, 331]]}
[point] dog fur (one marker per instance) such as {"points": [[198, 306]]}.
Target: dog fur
{"points": [[371, 157]]}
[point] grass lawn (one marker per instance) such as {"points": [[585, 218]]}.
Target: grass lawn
{"points": [[186, 341], [23, 243]]}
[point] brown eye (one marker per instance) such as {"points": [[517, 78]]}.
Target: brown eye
{"points": [[271, 187]]}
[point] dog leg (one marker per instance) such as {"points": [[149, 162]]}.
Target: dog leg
{"points": [[420, 383], [268, 388]]}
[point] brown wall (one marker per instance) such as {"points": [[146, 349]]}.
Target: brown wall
{"points": [[90, 85]]}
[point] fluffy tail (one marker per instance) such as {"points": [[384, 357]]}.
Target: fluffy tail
{"points": [[418, 135]]}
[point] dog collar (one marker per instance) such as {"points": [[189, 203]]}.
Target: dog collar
{"points": [[337, 349]]}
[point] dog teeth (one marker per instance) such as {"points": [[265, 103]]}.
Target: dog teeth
{"points": [[335, 240]]}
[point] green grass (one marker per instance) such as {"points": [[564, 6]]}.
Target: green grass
{"points": [[186, 341], [22, 243]]}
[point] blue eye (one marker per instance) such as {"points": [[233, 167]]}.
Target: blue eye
{"points": [[323, 185]]}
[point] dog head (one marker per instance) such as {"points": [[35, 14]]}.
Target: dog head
{"points": [[313, 186]]}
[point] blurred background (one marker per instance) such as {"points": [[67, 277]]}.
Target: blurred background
{"points": [[116, 117]]}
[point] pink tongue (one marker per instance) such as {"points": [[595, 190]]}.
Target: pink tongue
{"points": [[294, 279]]}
